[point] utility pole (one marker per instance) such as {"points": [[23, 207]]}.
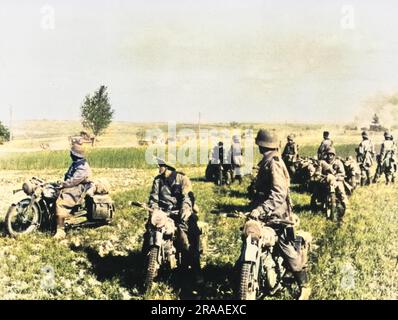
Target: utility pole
{"points": [[10, 125], [199, 125]]}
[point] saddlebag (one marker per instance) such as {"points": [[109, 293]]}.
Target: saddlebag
{"points": [[100, 207]]}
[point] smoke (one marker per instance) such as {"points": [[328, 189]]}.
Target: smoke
{"points": [[386, 108]]}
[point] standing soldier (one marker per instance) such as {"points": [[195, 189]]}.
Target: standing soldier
{"points": [[290, 155], [76, 183], [236, 158], [173, 190], [365, 154], [326, 143], [388, 157], [272, 199]]}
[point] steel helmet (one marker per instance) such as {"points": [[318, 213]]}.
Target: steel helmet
{"points": [[330, 150], [267, 139], [387, 135]]}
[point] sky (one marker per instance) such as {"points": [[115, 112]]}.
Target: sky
{"points": [[168, 60]]}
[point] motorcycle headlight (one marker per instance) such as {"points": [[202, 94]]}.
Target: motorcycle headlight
{"points": [[269, 236], [252, 228], [158, 218], [28, 187]]}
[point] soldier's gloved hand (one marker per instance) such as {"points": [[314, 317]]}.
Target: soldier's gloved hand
{"points": [[255, 214]]}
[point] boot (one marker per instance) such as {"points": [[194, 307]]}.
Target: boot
{"points": [[60, 234], [302, 280]]}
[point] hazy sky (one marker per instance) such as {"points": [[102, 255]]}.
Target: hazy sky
{"points": [[252, 60]]}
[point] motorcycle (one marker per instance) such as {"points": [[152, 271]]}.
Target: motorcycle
{"points": [[324, 193], [162, 249], [37, 210], [219, 173], [262, 268]]}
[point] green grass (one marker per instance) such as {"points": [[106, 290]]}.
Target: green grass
{"points": [[98, 158], [106, 263], [116, 158]]}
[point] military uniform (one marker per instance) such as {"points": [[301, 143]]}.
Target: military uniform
{"points": [[334, 174], [289, 156], [325, 144], [174, 192], [388, 160], [272, 198], [77, 181], [236, 157], [365, 153]]}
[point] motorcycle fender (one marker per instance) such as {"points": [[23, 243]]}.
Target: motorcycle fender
{"points": [[156, 239], [250, 251]]}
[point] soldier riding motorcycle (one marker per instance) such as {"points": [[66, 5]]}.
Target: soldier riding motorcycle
{"points": [[330, 189], [267, 235], [173, 235], [48, 205]]}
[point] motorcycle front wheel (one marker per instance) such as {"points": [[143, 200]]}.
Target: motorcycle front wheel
{"points": [[152, 269], [247, 288], [23, 218], [331, 206]]}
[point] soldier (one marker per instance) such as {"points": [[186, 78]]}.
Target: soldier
{"points": [[75, 185], [326, 143], [272, 199], [236, 158], [173, 190], [332, 169], [388, 158], [290, 155], [365, 154], [353, 173]]}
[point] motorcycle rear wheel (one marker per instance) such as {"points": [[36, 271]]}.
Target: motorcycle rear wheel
{"points": [[20, 219]]}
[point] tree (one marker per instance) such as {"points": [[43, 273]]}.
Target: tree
{"points": [[4, 133], [96, 112]]}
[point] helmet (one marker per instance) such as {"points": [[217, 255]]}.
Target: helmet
{"points": [[387, 135], [162, 163], [330, 150], [290, 137], [267, 139], [326, 134], [365, 134]]}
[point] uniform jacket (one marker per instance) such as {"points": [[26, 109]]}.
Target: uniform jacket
{"points": [[326, 143], [173, 192], [335, 168], [272, 186], [235, 154], [366, 152], [388, 150], [290, 152], [78, 173]]}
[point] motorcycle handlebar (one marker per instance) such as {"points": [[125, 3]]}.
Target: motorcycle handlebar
{"points": [[145, 206], [269, 221]]}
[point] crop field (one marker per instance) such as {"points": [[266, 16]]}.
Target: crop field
{"points": [[355, 261]]}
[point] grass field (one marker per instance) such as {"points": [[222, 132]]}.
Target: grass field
{"points": [[355, 261]]}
